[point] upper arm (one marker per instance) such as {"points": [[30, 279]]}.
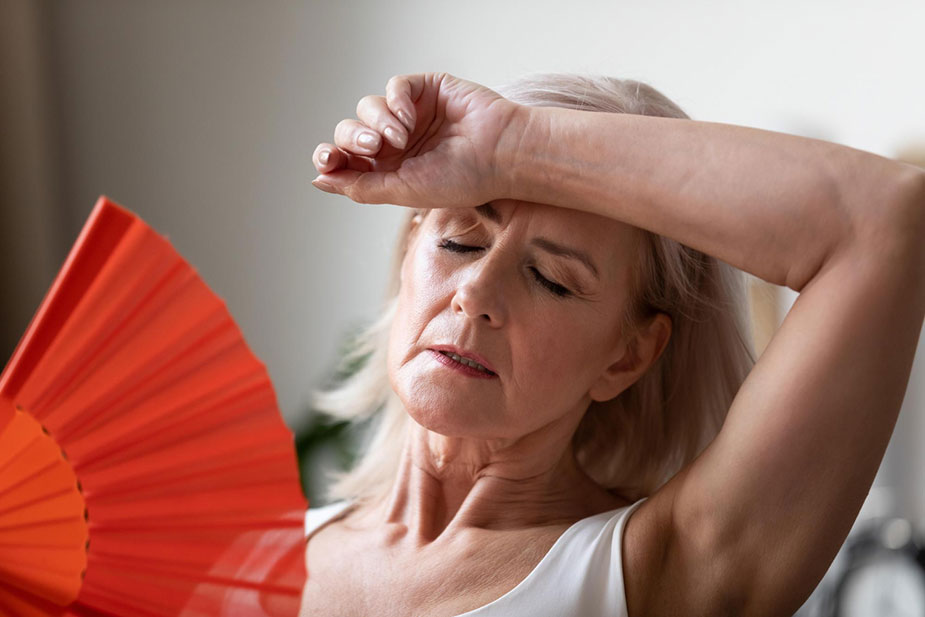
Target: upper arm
{"points": [[758, 517]]}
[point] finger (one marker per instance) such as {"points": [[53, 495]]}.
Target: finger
{"points": [[328, 158], [357, 138], [401, 93], [374, 111]]}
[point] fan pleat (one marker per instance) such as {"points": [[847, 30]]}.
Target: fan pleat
{"points": [[43, 532], [172, 428], [34, 570], [247, 578], [103, 317], [18, 603], [234, 577], [158, 417], [114, 374]]}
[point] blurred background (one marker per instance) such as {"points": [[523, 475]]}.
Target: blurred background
{"points": [[201, 116]]}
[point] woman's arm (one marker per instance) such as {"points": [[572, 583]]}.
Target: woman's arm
{"points": [[755, 521], [774, 205]]}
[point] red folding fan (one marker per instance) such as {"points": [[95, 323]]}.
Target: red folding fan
{"points": [[144, 466]]}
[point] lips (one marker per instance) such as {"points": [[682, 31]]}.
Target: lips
{"points": [[470, 355]]}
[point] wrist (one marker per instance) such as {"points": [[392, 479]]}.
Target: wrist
{"points": [[517, 155]]}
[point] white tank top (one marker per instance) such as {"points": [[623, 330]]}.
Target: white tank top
{"points": [[582, 574]]}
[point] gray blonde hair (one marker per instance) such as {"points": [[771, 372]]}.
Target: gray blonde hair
{"points": [[634, 443]]}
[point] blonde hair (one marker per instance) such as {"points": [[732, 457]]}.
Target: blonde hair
{"points": [[634, 443]]}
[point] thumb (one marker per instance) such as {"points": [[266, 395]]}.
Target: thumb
{"points": [[370, 187]]}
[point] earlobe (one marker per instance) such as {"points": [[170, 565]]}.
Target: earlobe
{"points": [[618, 376]]}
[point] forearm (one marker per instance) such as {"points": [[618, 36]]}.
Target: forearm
{"points": [[775, 205]]}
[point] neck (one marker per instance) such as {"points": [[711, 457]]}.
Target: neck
{"points": [[449, 484]]}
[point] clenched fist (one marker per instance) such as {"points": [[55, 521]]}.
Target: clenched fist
{"points": [[433, 141]]}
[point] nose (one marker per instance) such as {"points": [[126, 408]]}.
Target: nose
{"points": [[479, 295]]}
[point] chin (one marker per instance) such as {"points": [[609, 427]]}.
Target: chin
{"points": [[435, 404], [436, 419]]}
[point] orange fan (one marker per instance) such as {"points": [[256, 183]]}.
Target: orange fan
{"points": [[144, 466]]}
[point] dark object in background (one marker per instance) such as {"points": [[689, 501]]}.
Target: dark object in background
{"points": [[320, 445], [327, 444]]}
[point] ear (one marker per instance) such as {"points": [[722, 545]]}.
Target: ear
{"points": [[416, 221], [413, 227], [634, 358]]}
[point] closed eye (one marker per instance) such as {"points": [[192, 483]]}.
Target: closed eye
{"points": [[551, 286]]}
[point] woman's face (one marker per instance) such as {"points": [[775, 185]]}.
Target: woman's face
{"points": [[547, 324]]}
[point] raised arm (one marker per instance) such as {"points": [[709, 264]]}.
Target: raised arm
{"points": [[775, 205], [756, 520], [751, 525]]}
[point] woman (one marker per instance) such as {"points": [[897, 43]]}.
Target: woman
{"points": [[574, 261]]}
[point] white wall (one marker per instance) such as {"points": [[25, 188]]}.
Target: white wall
{"points": [[202, 116]]}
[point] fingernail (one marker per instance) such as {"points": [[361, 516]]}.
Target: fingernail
{"points": [[324, 157], [397, 139], [405, 118], [368, 140], [324, 186]]}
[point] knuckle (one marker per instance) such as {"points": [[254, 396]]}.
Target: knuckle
{"points": [[347, 132], [354, 194], [360, 191], [365, 103], [396, 85]]}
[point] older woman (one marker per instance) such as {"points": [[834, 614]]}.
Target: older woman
{"points": [[562, 345]]}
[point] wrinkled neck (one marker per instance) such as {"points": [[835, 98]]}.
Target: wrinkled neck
{"points": [[449, 484]]}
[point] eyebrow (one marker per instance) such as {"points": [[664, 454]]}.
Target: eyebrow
{"points": [[487, 211], [563, 251]]}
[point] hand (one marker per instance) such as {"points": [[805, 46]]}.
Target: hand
{"points": [[432, 141]]}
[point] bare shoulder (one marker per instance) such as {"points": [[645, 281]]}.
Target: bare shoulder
{"points": [[663, 569], [644, 542]]}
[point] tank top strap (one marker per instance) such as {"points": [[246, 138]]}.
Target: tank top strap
{"points": [[316, 517]]}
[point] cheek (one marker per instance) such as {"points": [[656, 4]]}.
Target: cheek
{"points": [[418, 302], [404, 332], [424, 279], [558, 362]]}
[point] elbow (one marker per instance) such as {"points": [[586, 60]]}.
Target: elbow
{"points": [[912, 208], [898, 217], [885, 220]]}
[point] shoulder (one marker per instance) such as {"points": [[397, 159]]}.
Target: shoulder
{"points": [[644, 541], [664, 572]]}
